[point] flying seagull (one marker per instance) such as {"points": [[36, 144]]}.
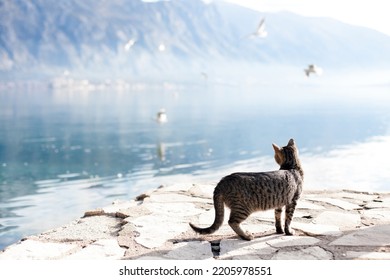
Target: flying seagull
{"points": [[161, 47], [260, 31], [162, 116], [312, 69], [129, 44]]}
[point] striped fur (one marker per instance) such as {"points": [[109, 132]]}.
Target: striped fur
{"points": [[245, 193]]}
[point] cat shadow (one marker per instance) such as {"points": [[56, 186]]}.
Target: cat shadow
{"points": [[236, 243]]}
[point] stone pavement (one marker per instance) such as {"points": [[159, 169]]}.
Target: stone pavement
{"points": [[328, 224]]}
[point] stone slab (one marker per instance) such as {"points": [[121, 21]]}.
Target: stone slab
{"points": [[241, 249], [379, 203], [310, 253], [341, 220], [99, 250], [178, 187], [256, 228], [268, 215], [379, 216], [206, 218], [355, 196], [303, 204], [37, 250], [178, 209], [174, 198], [117, 206], [316, 229], [86, 229], [336, 202], [192, 250], [202, 191], [369, 236], [156, 229], [367, 255], [292, 241]]}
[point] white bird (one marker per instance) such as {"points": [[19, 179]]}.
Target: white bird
{"points": [[129, 44], [260, 31], [162, 116], [161, 47], [313, 69]]}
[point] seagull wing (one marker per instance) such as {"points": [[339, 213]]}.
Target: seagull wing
{"points": [[261, 28]]}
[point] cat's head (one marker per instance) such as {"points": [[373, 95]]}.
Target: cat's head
{"points": [[287, 156]]}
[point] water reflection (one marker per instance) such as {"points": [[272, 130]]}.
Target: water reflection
{"points": [[161, 151], [361, 166]]}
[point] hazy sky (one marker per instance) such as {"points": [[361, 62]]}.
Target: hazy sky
{"points": [[370, 13]]}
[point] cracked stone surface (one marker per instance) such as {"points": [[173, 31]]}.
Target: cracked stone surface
{"points": [[239, 249], [368, 255], [104, 248], [317, 229], [154, 232], [337, 202], [340, 224], [310, 253], [341, 220], [35, 250], [192, 250], [367, 236], [293, 241], [86, 229]]}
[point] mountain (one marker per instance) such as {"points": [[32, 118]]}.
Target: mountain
{"points": [[170, 40]]}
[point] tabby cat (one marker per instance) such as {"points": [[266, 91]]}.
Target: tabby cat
{"points": [[245, 193]]}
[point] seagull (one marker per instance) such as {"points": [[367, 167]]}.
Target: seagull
{"points": [[162, 116], [161, 47], [313, 69], [260, 31], [129, 44]]}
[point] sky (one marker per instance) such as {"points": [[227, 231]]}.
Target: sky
{"points": [[368, 13]]}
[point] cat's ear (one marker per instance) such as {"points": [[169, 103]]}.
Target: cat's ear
{"points": [[276, 148], [279, 158], [291, 142]]}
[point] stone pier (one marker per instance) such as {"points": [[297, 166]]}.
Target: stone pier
{"points": [[329, 225]]}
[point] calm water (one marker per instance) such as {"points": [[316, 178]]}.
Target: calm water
{"points": [[64, 152]]}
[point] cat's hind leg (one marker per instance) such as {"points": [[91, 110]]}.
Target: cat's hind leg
{"points": [[278, 220], [235, 221]]}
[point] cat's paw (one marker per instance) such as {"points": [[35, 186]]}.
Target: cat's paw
{"points": [[248, 236], [279, 230], [289, 231]]}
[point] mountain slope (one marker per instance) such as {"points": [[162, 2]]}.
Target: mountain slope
{"points": [[169, 39]]}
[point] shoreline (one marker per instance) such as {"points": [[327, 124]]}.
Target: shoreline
{"points": [[333, 224]]}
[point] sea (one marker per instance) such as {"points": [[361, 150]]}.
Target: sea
{"points": [[67, 150]]}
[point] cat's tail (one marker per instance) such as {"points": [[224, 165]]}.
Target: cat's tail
{"points": [[219, 215]]}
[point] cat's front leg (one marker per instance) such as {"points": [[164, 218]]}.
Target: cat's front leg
{"points": [[290, 208]]}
